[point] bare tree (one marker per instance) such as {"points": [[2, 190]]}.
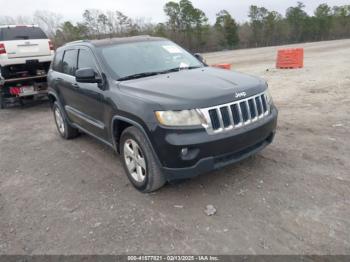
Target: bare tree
{"points": [[48, 21], [7, 20], [91, 21], [22, 20], [189, 26]]}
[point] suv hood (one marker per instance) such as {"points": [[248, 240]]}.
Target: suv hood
{"points": [[196, 88]]}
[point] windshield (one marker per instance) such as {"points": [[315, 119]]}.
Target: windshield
{"points": [[147, 57]]}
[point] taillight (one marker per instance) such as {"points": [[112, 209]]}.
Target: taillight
{"points": [[15, 90], [51, 45], [2, 49]]}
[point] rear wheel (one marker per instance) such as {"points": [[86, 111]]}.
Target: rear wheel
{"points": [[139, 161], [63, 127]]}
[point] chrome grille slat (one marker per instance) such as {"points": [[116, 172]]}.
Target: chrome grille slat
{"points": [[240, 114], [264, 105], [218, 111], [256, 109], [249, 113], [230, 116], [261, 107]]}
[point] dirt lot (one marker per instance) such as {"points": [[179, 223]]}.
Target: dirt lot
{"points": [[72, 197]]}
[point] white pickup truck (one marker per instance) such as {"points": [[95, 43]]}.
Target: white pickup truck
{"points": [[25, 57]]}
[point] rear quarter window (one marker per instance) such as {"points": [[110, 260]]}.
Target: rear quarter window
{"points": [[21, 33]]}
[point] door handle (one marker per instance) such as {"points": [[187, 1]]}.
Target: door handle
{"points": [[75, 85]]}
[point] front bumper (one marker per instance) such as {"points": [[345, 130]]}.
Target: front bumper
{"points": [[206, 152]]}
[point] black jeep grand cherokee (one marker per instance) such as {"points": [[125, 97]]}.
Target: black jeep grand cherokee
{"points": [[167, 113]]}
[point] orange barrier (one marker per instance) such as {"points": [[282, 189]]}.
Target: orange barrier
{"points": [[223, 66], [290, 58]]}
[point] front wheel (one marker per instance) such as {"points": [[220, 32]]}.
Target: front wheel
{"points": [[139, 161], [63, 127]]}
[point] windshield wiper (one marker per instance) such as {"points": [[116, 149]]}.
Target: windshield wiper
{"points": [[176, 69], [139, 75], [145, 74], [192, 67]]}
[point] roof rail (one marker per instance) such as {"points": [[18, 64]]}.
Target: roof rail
{"points": [[99, 41], [140, 36], [77, 41]]}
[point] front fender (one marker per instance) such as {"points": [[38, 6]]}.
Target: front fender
{"points": [[143, 128]]}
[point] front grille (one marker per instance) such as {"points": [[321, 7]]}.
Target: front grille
{"points": [[237, 114]]}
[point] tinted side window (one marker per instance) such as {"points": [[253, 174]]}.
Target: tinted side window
{"points": [[86, 60], [57, 62], [21, 33], [69, 65]]}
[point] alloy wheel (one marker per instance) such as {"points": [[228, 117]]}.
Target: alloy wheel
{"points": [[59, 121], [135, 160]]}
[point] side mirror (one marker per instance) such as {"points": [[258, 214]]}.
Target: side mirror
{"points": [[87, 75], [200, 58]]}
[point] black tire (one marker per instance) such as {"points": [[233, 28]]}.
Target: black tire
{"points": [[4, 72], [154, 178], [67, 132], [2, 101], [21, 103]]}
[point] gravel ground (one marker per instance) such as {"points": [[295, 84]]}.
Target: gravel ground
{"points": [[72, 197]]}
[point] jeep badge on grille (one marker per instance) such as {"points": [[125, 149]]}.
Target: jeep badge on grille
{"points": [[241, 94]]}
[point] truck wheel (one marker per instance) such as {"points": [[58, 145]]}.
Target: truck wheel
{"points": [[139, 161], [63, 127]]}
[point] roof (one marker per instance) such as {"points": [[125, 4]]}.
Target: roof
{"points": [[118, 40]]}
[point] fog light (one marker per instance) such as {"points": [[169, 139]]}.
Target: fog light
{"points": [[184, 151], [188, 153]]}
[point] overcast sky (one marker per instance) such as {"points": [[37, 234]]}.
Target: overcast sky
{"points": [[149, 9]]}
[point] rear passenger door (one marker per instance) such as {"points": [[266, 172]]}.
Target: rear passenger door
{"points": [[68, 88]]}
